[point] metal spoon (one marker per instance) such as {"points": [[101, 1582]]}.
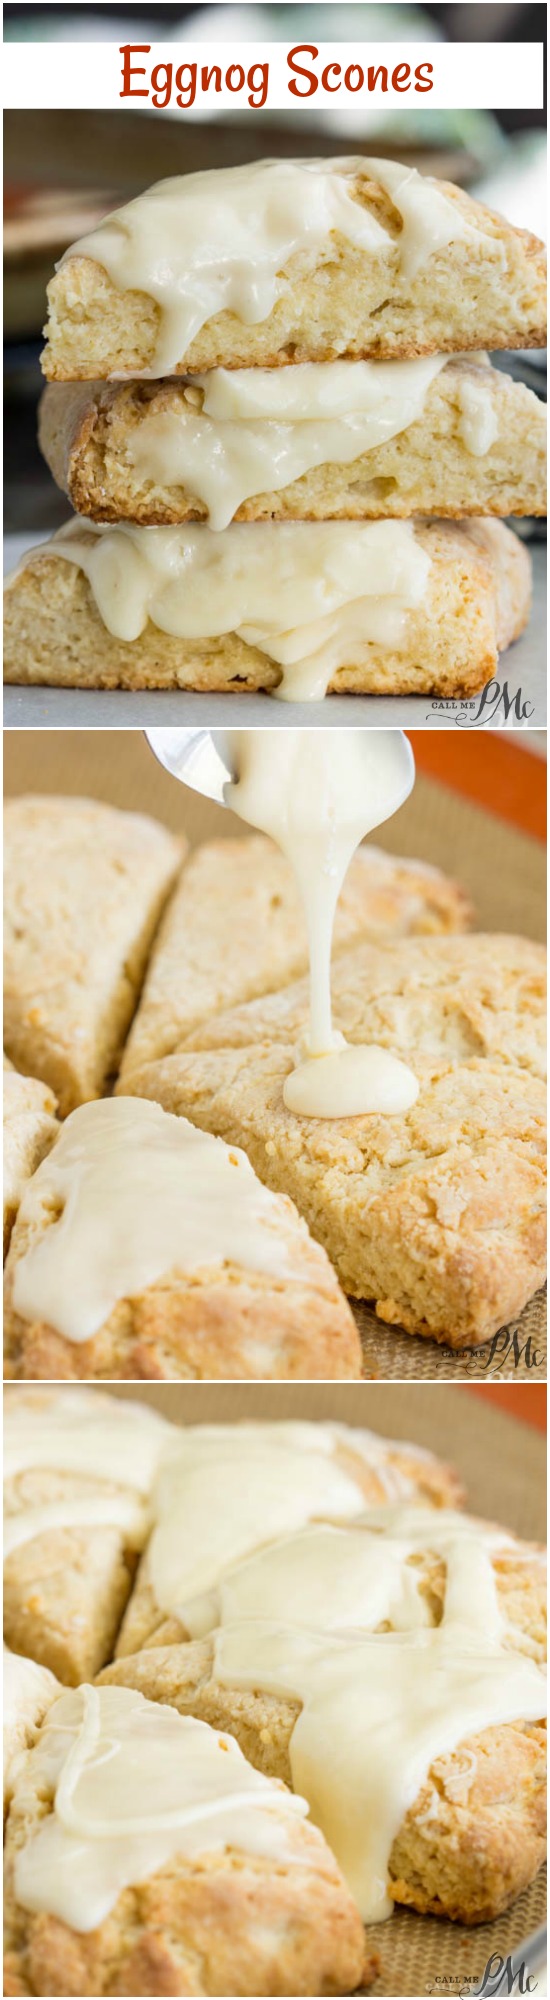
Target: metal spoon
{"points": [[201, 758], [194, 756]]}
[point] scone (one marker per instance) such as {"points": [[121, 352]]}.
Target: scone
{"points": [[436, 1215], [224, 1887], [392, 1671], [28, 1691], [464, 439], [30, 1127], [78, 1468], [147, 1250], [301, 609], [84, 889], [288, 261], [231, 1489], [234, 929]]}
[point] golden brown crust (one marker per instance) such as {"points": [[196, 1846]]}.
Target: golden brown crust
{"points": [[477, 601], [84, 889], [225, 1923], [66, 1590], [30, 1127], [234, 929], [453, 1244], [488, 293], [87, 436], [465, 1850], [227, 1325]]}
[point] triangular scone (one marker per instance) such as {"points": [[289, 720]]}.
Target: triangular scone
{"points": [[235, 929], [482, 287], [78, 1470], [97, 440], [476, 601], [30, 1127], [241, 1894], [473, 1834], [84, 889], [261, 1302], [436, 1215], [288, 1475]]}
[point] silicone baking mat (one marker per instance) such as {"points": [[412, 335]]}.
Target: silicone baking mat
{"points": [[502, 1464], [503, 870]]}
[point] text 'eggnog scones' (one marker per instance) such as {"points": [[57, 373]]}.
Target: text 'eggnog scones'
{"points": [[285, 353]]}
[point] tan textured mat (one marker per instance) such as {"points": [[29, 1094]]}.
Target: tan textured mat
{"points": [[503, 1466], [504, 872]]}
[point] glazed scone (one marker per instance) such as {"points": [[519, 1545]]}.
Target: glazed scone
{"points": [[84, 889], [234, 929], [129, 451], [348, 269], [244, 1898], [79, 1467], [28, 1691], [146, 1250], [232, 1489], [30, 1127], [435, 1215], [426, 1763], [468, 600]]}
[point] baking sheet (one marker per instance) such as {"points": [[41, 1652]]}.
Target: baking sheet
{"points": [[503, 1466], [522, 667], [503, 871]]}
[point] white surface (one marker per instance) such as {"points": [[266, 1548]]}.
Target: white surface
{"points": [[522, 667], [502, 75]]}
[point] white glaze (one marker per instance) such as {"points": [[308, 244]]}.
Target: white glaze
{"points": [[307, 1619], [231, 1488], [317, 793], [135, 1786], [310, 595], [258, 429], [206, 243], [142, 1193]]}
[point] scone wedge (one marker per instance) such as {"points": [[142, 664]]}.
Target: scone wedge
{"points": [[84, 889], [482, 287], [475, 600], [231, 1489], [30, 1127], [78, 1472], [234, 930], [239, 1895], [442, 1799], [438, 1215], [148, 1251], [125, 452]]}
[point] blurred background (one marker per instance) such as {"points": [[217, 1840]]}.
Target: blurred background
{"points": [[64, 169]]}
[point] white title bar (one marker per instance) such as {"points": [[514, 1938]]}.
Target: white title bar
{"points": [[199, 79]]}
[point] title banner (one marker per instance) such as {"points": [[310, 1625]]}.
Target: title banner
{"points": [[197, 79]]}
